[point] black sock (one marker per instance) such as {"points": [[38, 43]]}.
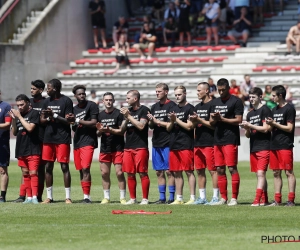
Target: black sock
{"points": [[3, 194]]}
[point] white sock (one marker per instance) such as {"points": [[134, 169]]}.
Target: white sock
{"points": [[106, 194], [29, 198], [193, 197], [68, 193], [86, 196], [122, 194], [179, 197], [216, 192], [49, 193], [34, 197], [202, 193]]}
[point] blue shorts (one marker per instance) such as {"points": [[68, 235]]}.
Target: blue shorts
{"points": [[4, 155], [160, 158]]}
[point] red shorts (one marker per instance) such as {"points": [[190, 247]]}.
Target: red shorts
{"points": [[204, 158], [281, 159], [83, 157], [52, 151], [259, 160], [115, 157], [31, 162], [226, 155], [135, 161], [181, 160]]}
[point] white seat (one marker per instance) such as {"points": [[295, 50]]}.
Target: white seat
{"points": [[82, 72], [207, 70], [150, 71], [96, 82], [179, 70], [137, 71], [96, 71]]}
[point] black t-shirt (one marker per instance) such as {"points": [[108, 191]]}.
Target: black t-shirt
{"points": [[242, 25], [118, 25], [184, 12], [225, 133], [158, 4], [204, 136], [222, 3], [283, 116], [28, 143], [180, 138], [135, 138], [55, 131], [109, 142], [93, 6], [259, 141], [38, 107], [149, 33], [85, 136], [161, 137]]}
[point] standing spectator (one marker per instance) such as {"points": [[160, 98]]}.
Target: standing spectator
{"points": [[246, 86], [97, 11], [267, 97], [242, 27], [5, 121], [184, 21], [293, 37], [170, 31], [258, 6], [223, 16], [196, 7], [212, 87], [172, 11], [147, 41], [234, 89], [93, 97], [120, 27], [122, 49], [128, 6], [158, 9], [212, 14]]}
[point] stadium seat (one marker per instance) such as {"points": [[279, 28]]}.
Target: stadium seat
{"points": [[161, 49], [95, 61], [205, 59], [178, 60], [82, 61], [287, 68], [273, 68], [69, 72], [106, 51], [165, 71], [176, 49], [83, 72], [163, 60], [109, 61], [135, 61], [219, 59], [204, 48], [150, 71], [192, 59], [132, 50], [179, 70], [259, 68], [137, 71], [207, 70], [93, 51], [150, 60], [190, 49], [96, 71], [232, 47], [123, 71], [218, 48], [193, 70], [97, 83], [109, 72]]}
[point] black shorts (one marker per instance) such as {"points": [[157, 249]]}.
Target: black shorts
{"points": [[4, 155], [184, 26], [98, 23]]}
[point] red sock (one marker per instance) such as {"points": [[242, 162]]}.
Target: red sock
{"points": [[291, 197], [34, 180], [264, 197], [27, 184], [258, 195], [131, 180], [23, 189], [145, 186], [235, 183], [222, 183], [278, 197], [86, 187]]}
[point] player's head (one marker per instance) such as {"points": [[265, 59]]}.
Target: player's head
{"points": [[255, 96], [202, 90], [53, 87], [23, 103], [162, 91], [37, 88], [223, 88], [278, 93], [108, 100], [133, 97], [180, 94], [79, 93]]}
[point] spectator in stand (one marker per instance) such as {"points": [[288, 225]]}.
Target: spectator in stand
{"points": [[146, 41], [170, 31], [293, 37], [289, 95], [172, 11], [271, 6], [242, 27], [120, 27], [97, 11], [94, 98], [223, 17], [258, 6], [212, 14], [212, 87], [128, 6], [200, 24], [158, 9], [122, 50], [246, 86], [196, 7], [235, 89], [267, 97], [146, 19], [184, 21], [238, 5]]}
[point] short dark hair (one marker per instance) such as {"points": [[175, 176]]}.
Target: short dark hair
{"points": [[162, 85], [56, 84], [256, 91], [78, 87], [223, 82], [135, 93], [279, 90], [22, 97], [109, 93], [204, 83], [38, 84]]}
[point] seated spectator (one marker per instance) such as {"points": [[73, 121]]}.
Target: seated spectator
{"points": [[172, 11], [212, 88], [268, 98], [94, 97], [120, 27], [293, 38], [170, 31], [147, 41], [146, 19], [199, 24], [258, 6], [158, 9], [184, 21], [223, 17], [212, 14], [235, 90], [122, 50], [242, 27], [246, 86], [238, 5]]}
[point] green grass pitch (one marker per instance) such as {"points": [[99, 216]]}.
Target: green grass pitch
{"points": [[81, 226]]}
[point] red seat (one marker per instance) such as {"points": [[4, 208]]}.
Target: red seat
{"points": [[204, 48], [191, 48], [162, 49], [109, 61], [107, 51], [218, 48], [220, 58], [135, 60], [150, 60], [200, 38], [93, 51], [193, 70], [69, 72], [163, 60], [109, 72], [205, 59], [164, 71], [297, 68], [176, 49], [259, 69], [192, 59], [132, 50], [287, 68], [273, 68], [134, 29], [95, 61], [177, 60], [232, 47], [82, 61]]}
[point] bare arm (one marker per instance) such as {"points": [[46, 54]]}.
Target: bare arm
{"points": [[90, 124], [233, 121], [140, 125], [286, 128], [195, 119], [28, 126]]}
